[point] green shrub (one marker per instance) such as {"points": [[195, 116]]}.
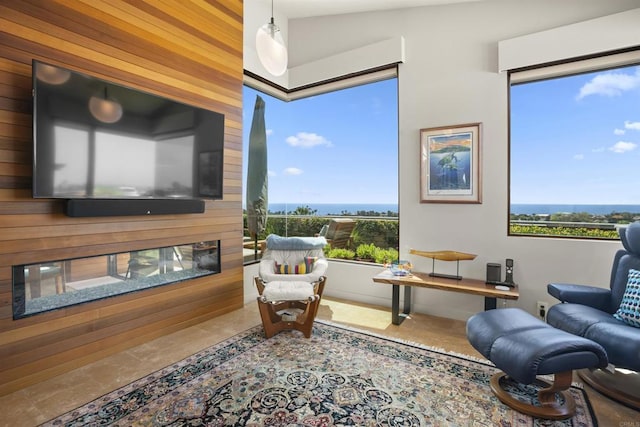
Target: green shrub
{"points": [[384, 256], [373, 253], [383, 233], [366, 251], [340, 253], [591, 233]]}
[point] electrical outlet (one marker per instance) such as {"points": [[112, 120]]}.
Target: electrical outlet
{"points": [[541, 309]]}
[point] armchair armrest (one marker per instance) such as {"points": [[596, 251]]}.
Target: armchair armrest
{"points": [[591, 296]]}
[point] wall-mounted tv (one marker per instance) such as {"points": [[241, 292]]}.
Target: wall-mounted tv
{"points": [[95, 139]]}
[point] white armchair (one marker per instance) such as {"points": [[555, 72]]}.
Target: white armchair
{"points": [[290, 281]]}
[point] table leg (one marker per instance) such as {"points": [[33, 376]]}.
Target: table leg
{"points": [[395, 305], [397, 317], [407, 300], [489, 303]]}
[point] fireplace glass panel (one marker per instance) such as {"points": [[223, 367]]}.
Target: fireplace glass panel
{"points": [[52, 285]]}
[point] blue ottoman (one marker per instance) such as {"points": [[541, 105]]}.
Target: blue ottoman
{"points": [[524, 347]]}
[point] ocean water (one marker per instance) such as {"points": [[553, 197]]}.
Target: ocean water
{"points": [[335, 208], [530, 209]]}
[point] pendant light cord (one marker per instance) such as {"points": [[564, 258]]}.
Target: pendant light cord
{"points": [[273, 22]]}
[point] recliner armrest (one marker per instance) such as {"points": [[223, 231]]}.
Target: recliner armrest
{"points": [[592, 296]]}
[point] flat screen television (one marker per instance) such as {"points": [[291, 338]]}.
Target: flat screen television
{"points": [[98, 140]]}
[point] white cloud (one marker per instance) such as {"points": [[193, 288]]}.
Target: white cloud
{"points": [[610, 84], [271, 173], [292, 171], [598, 150], [623, 147], [307, 140], [578, 157], [618, 131], [632, 125], [269, 132]]}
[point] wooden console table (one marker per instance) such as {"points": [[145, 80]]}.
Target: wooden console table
{"points": [[423, 280]]}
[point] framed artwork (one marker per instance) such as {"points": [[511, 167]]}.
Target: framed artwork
{"points": [[450, 164]]}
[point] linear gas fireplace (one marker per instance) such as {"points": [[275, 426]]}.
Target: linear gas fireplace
{"points": [[52, 285]]}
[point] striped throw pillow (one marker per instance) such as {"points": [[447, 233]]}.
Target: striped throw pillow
{"points": [[302, 268], [309, 261], [291, 269]]}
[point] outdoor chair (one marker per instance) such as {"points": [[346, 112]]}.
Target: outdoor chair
{"points": [[338, 232], [290, 282]]}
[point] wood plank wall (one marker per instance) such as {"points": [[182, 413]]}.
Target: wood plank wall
{"points": [[187, 50]]}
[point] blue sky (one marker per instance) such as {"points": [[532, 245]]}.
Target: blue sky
{"points": [[576, 140], [340, 147]]}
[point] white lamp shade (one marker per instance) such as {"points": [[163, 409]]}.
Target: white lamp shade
{"points": [[105, 110], [271, 49]]}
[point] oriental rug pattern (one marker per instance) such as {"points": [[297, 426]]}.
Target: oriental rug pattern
{"points": [[338, 377]]}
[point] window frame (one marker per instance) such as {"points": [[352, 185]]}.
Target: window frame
{"points": [[365, 77], [576, 66]]}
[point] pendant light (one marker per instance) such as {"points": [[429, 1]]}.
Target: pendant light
{"points": [[104, 109], [271, 48]]}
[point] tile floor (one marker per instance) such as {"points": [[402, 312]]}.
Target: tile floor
{"points": [[43, 401]]}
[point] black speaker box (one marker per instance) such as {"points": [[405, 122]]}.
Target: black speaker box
{"points": [[122, 207], [494, 273]]}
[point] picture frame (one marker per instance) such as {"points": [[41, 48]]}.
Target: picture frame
{"points": [[450, 164]]}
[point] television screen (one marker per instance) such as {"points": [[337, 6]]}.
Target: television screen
{"points": [[95, 139]]}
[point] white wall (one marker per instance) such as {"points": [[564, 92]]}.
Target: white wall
{"points": [[450, 76]]}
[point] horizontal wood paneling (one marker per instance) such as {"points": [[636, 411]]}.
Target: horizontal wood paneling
{"points": [[190, 51]]}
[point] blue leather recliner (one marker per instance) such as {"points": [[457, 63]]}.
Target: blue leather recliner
{"points": [[588, 311]]}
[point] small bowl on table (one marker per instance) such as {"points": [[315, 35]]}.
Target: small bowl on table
{"points": [[400, 268]]}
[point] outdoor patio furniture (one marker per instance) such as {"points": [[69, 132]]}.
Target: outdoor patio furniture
{"points": [[338, 232]]}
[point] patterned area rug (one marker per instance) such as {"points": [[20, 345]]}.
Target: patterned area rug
{"points": [[339, 377]]}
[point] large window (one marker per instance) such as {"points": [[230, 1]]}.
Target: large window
{"points": [[330, 154], [574, 151]]}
